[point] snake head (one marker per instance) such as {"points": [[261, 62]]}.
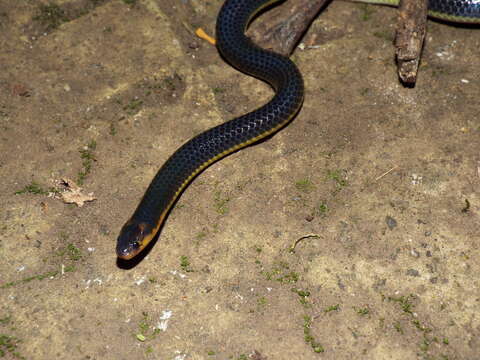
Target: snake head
{"points": [[133, 238]]}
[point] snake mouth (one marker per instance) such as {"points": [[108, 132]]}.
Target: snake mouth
{"points": [[129, 252]]}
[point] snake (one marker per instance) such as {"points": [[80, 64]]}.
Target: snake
{"points": [[204, 149], [215, 143]]}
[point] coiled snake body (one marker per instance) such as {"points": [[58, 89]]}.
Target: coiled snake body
{"points": [[213, 144]]}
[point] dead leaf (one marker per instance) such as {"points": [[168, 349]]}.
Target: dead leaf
{"points": [[73, 193], [20, 90], [257, 356], [44, 206]]}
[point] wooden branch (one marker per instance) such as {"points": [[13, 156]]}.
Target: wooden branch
{"points": [[411, 29], [284, 26]]}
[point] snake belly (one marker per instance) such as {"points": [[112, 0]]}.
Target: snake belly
{"points": [[204, 149]]}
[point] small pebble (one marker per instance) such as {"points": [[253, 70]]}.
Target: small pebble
{"points": [[416, 179], [391, 222], [414, 253], [193, 45], [413, 272]]}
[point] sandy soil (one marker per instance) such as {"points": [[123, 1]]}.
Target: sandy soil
{"points": [[384, 267]]}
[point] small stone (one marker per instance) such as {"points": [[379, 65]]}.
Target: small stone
{"points": [[428, 253], [194, 45], [104, 230], [413, 272], [428, 233], [414, 253], [416, 179], [391, 222]]}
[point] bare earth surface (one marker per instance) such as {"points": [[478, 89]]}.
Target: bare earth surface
{"points": [[384, 267]]}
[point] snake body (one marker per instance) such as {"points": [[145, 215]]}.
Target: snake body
{"points": [[465, 11], [215, 143], [459, 11]]}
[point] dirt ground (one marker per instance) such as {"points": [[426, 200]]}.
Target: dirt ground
{"points": [[375, 186]]}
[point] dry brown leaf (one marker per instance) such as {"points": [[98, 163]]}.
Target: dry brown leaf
{"points": [[257, 356], [20, 90], [73, 193]]}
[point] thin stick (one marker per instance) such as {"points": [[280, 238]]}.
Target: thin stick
{"points": [[203, 35], [309, 236], [386, 173]]}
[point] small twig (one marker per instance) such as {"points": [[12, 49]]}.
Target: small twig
{"points": [[292, 248], [386, 173], [467, 206], [203, 35]]}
